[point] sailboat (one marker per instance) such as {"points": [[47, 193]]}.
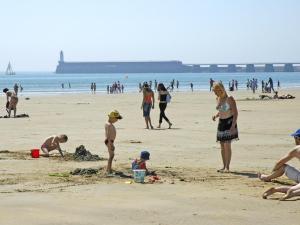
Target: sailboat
{"points": [[9, 70]]}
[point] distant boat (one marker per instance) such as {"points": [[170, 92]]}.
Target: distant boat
{"points": [[9, 70]]}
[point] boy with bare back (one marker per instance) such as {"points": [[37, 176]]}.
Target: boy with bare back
{"points": [[52, 143], [110, 136]]}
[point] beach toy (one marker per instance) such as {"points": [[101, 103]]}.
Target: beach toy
{"points": [[139, 176], [35, 153]]}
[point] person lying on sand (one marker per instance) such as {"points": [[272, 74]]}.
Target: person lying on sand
{"points": [[53, 143], [281, 168], [288, 96], [276, 96]]}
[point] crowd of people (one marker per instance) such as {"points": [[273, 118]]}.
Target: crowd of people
{"points": [[227, 128], [115, 88]]}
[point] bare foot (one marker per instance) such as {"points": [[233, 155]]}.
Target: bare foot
{"points": [[152, 127], [221, 170], [227, 171], [268, 192], [170, 125], [263, 177], [288, 195]]}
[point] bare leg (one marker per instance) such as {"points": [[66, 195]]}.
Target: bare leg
{"points": [[275, 174], [9, 111], [293, 191], [109, 162], [146, 121], [223, 156], [46, 152], [15, 112], [150, 122], [273, 190], [227, 148]]}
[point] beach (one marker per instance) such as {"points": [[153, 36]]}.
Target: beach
{"points": [[186, 158]]}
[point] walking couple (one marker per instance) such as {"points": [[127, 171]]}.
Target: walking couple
{"points": [[164, 98]]}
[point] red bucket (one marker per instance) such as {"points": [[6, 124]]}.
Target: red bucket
{"points": [[35, 153]]}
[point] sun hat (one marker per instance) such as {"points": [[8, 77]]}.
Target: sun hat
{"points": [[115, 114], [296, 134], [145, 155]]}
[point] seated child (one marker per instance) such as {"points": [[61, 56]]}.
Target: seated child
{"points": [[52, 143], [140, 164]]}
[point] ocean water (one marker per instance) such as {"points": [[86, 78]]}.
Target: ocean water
{"points": [[48, 83]]}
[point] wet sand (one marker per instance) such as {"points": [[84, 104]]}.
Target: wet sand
{"points": [[190, 191]]}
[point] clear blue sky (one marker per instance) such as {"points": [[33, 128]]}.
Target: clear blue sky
{"points": [[193, 31]]}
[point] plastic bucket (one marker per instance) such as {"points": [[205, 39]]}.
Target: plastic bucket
{"points": [[139, 176], [35, 153]]}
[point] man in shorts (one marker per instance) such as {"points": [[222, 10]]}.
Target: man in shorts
{"points": [[281, 168]]}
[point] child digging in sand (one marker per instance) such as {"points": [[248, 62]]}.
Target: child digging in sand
{"points": [[281, 168], [52, 143], [110, 136], [140, 164]]}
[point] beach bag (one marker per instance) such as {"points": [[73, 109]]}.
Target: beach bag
{"points": [[168, 98]]}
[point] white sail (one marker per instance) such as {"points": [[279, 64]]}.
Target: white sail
{"points": [[9, 70]]}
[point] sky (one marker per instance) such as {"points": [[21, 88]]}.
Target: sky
{"points": [[193, 31]]}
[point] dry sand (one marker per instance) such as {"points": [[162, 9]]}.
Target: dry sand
{"points": [[186, 158]]}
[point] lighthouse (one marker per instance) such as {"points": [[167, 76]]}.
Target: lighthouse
{"points": [[61, 57]]}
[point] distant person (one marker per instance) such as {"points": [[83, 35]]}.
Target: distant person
{"points": [[53, 143], [162, 98], [122, 88], [155, 85], [262, 86], [95, 88], [21, 88], [16, 88], [107, 89], [192, 87], [270, 82], [253, 87], [211, 83], [69, 85], [177, 84], [281, 168], [92, 87], [62, 85], [248, 84], [147, 104], [110, 136], [278, 84], [227, 127], [11, 101], [140, 87], [236, 84]]}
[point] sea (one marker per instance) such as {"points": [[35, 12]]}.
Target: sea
{"points": [[49, 83]]}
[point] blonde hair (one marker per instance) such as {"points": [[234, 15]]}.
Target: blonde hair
{"points": [[219, 86]]}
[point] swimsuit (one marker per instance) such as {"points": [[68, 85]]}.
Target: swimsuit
{"points": [[224, 107]]}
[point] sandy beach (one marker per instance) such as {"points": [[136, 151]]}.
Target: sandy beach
{"points": [[186, 158]]}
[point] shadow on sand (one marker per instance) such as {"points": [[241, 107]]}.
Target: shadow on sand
{"points": [[247, 174]]}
